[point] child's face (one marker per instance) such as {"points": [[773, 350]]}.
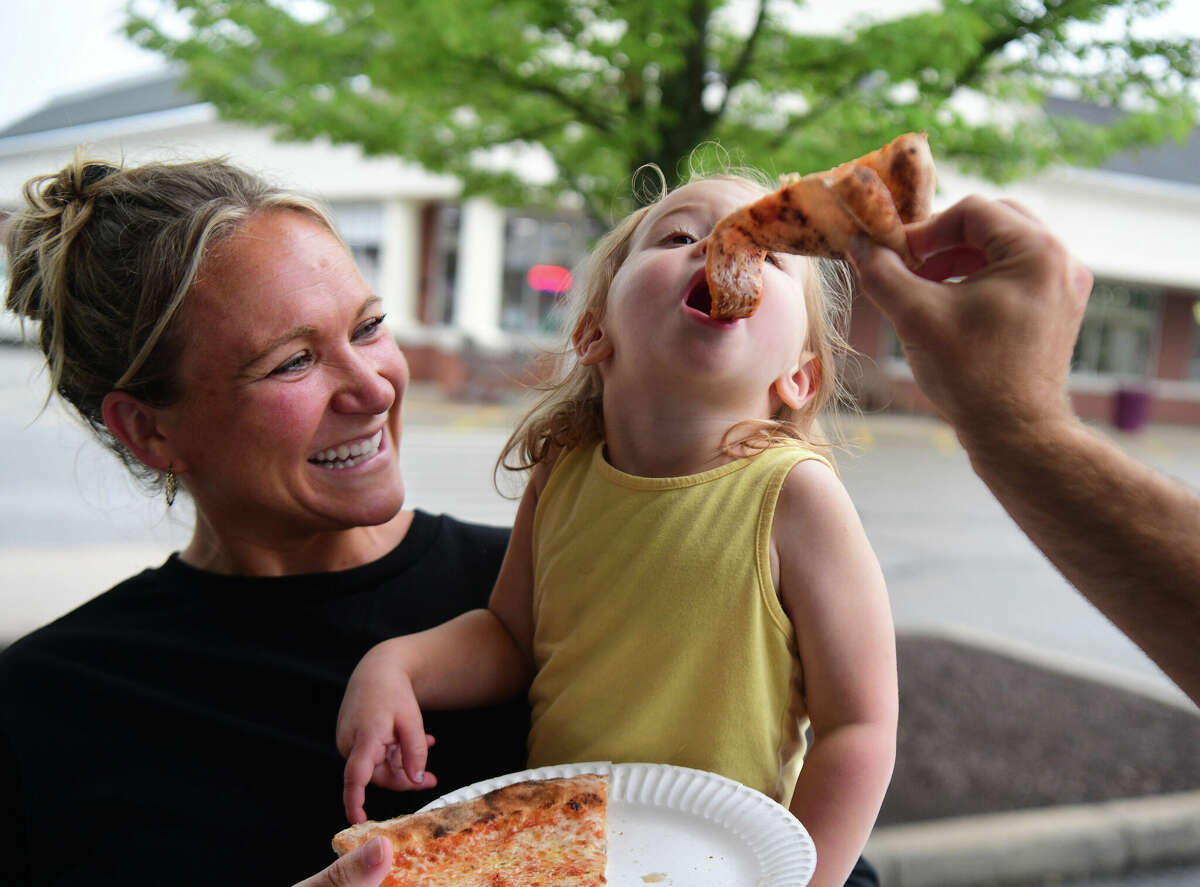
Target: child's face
{"points": [[657, 323]]}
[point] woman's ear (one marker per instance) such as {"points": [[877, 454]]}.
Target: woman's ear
{"points": [[797, 388], [590, 341], [139, 427]]}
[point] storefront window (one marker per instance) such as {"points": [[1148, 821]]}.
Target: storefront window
{"points": [[536, 302], [1195, 365], [443, 221], [361, 224], [1119, 331]]}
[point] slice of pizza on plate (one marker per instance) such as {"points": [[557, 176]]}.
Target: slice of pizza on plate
{"points": [[536, 833], [817, 214]]}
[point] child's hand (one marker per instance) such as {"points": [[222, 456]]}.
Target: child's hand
{"points": [[380, 732]]}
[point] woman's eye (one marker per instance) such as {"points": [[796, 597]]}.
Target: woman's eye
{"points": [[295, 364], [370, 327]]}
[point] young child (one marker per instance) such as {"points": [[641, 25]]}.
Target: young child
{"points": [[687, 580]]}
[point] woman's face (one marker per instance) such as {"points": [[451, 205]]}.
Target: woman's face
{"points": [[289, 424]]}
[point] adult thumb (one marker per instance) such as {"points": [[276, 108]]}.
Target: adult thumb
{"points": [[886, 281], [365, 866]]}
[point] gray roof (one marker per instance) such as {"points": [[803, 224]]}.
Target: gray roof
{"points": [[1171, 161], [125, 98]]}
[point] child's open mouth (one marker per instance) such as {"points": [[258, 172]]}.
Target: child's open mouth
{"points": [[698, 297], [699, 300]]}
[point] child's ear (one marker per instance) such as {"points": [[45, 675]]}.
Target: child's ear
{"points": [[139, 427], [797, 388], [590, 341]]}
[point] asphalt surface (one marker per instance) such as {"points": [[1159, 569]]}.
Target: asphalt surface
{"points": [[1015, 694]]}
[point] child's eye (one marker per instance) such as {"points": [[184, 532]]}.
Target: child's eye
{"points": [[774, 260], [369, 327], [295, 364], [680, 238]]}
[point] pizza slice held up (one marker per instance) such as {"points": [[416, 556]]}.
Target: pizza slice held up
{"points": [[530, 834], [817, 214]]}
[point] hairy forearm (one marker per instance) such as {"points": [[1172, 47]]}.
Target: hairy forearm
{"points": [[840, 790], [469, 661], [1124, 535]]}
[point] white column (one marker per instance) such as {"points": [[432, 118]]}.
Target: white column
{"points": [[400, 264], [480, 267]]}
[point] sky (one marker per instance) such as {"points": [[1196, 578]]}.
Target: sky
{"points": [[50, 47]]}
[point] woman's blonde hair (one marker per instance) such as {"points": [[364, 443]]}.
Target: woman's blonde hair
{"points": [[103, 257], [570, 412]]}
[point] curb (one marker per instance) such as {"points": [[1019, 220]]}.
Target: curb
{"points": [[1074, 841]]}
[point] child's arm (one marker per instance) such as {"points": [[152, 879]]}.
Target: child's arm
{"points": [[469, 661], [478, 658], [833, 591]]}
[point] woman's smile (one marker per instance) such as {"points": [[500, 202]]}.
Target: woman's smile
{"points": [[349, 454]]}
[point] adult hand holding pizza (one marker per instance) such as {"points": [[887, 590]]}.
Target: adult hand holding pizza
{"points": [[992, 350], [365, 866], [988, 324]]}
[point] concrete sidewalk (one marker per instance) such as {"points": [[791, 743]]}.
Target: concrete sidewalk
{"points": [[1010, 773], [1055, 845]]}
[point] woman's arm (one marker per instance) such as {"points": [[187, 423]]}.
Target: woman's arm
{"points": [[833, 591]]}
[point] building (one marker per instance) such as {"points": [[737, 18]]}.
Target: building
{"points": [[455, 275]]}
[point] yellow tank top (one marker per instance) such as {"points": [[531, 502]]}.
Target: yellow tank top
{"points": [[658, 634]]}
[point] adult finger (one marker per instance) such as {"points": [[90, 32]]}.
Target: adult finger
{"points": [[1021, 208], [905, 298], [958, 262], [993, 227], [365, 866]]}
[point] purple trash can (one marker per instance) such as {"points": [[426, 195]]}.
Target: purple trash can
{"points": [[1131, 408]]}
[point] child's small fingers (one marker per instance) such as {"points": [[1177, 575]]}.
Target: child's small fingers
{"points": [[399, 782], [413, 741], [360, 767], [410, 761]]}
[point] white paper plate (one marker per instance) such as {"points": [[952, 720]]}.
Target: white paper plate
{"points": [[678, 827]]}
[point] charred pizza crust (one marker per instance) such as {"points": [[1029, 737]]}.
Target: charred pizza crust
{"points": [[539, 832], [816, 215]]}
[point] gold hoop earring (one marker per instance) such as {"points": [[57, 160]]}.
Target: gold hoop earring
{"points": [[169, 487]]}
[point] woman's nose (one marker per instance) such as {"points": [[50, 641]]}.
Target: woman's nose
{"points": [[365, 388]]}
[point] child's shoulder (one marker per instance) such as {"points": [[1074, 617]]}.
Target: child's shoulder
{"points": [[554, 456], [810, 487]]}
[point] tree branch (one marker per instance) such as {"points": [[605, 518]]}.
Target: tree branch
{"points": [[581, 110], [738, 72]]}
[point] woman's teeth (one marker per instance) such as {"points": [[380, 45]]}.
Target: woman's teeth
{"points": [[349, 455]]}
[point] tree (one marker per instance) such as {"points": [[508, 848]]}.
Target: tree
{"points": [[598, 88]]}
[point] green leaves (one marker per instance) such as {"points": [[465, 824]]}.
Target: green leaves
{"points": [[476, 88]]}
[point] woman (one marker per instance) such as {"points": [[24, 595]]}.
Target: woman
{"points": [[214, 333]]}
